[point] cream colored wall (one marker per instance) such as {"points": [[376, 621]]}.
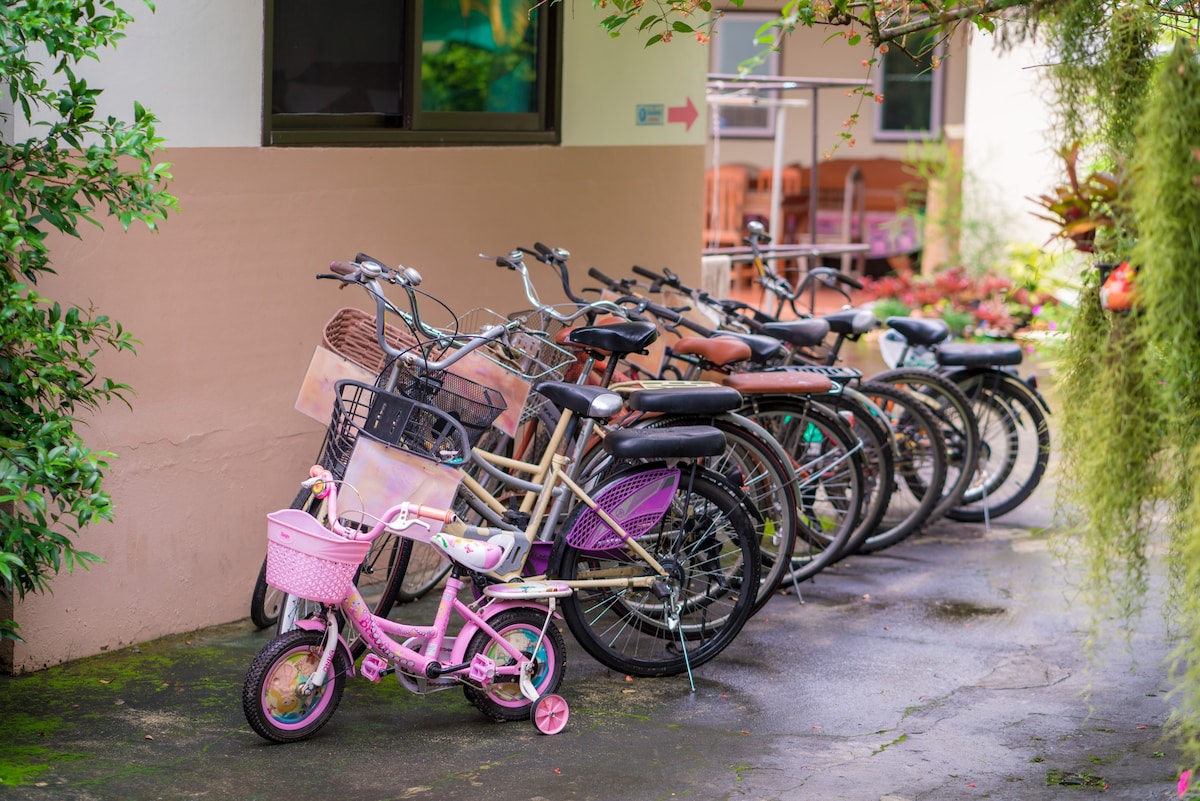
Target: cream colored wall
{"points": [[616, 76], [224, 302], [1007, 151]]}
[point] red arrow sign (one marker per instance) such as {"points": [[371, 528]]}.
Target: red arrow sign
{"points": [[685, 114]]}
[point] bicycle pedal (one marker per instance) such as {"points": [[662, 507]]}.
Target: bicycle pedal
{"points": [[373, 666], [482, 671], [660, 589]]}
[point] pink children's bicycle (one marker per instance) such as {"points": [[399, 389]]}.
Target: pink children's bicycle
{"points": [[508, 656]]}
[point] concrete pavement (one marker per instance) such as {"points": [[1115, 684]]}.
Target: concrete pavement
{"points": [[949, 667]]}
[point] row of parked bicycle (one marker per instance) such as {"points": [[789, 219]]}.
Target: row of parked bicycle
{"points": [[652, 464]]}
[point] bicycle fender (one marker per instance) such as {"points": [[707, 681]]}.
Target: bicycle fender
{"points": [[1009, 379], [464, 637], [308, 624]]}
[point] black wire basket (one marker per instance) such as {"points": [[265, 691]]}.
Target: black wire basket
{"points": [[474, 406], [407, 421]]}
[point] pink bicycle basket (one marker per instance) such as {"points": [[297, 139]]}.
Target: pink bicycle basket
{"points": [[309, 561]]}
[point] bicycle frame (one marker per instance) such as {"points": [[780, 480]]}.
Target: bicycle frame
{"points": [[440, 654], [546, 494], [378, 632]]}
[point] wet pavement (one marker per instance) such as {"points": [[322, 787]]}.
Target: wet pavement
{"points": [[950, 667]]}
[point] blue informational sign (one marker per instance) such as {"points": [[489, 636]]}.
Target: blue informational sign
{"points": [[651, 114]]}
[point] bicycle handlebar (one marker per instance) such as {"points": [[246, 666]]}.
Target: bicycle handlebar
{"points": [[515, 262], [836, 275], [672, 316], [367, 272]]}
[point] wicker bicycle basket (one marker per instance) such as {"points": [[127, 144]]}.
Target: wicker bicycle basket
{"points": [[351, 333], [441, 430], [307, 560]]}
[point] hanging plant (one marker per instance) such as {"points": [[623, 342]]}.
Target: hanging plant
{"points": [[1166, 205]]}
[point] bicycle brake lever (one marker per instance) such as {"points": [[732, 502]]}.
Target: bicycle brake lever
{"points": [[403, 523]]}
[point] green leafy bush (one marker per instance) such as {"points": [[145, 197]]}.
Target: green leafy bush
{"points": [[76, 168]]}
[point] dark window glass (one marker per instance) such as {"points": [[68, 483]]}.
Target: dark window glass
{"points": [[422, 71], [912, 102]]}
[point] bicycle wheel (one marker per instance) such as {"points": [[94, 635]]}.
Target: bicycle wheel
{"points": [[869, 425], [958, 425], [920, 465], [1015, 445], [827, 458], [426, 569], [753, 463], [502, 699], [271, 697], [708, 547]]}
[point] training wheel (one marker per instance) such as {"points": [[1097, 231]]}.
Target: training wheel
{"points": [[550, 713]]}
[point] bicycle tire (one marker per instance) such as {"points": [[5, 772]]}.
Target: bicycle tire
{"points": [[755, 464], [826, 457], [878, 462], [712, 559], [960, 429], [1016, 440], [270, 701], [920, 465], [426, 569], [503, 700]]}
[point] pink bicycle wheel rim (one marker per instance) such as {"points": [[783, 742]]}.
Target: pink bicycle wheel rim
{"points": [[550, 714]]}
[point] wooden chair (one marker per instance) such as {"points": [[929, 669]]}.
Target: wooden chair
{"points": [[725, 189], [725, 205], [793, 180], [794, 190]]}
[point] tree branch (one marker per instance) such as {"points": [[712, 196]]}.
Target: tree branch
{"points": [[945, 17]]}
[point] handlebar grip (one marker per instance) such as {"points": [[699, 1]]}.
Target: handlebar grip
{"points": [[601, 277], [644, 273], [851, 280], [670, 315], [432, 513], [343, 268], [543, 249]]}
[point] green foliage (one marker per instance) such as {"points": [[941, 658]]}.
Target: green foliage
{"points": [[1112, 431], [875, 23], [1166, 204], [456, 78], [968, 212], [75, 168], [1131, 402]]}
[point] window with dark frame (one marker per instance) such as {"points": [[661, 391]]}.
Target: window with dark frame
{"points": [[413, 72], [912, 95]]}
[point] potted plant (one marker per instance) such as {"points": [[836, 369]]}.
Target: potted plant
{"points": [[1081, 206]]}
